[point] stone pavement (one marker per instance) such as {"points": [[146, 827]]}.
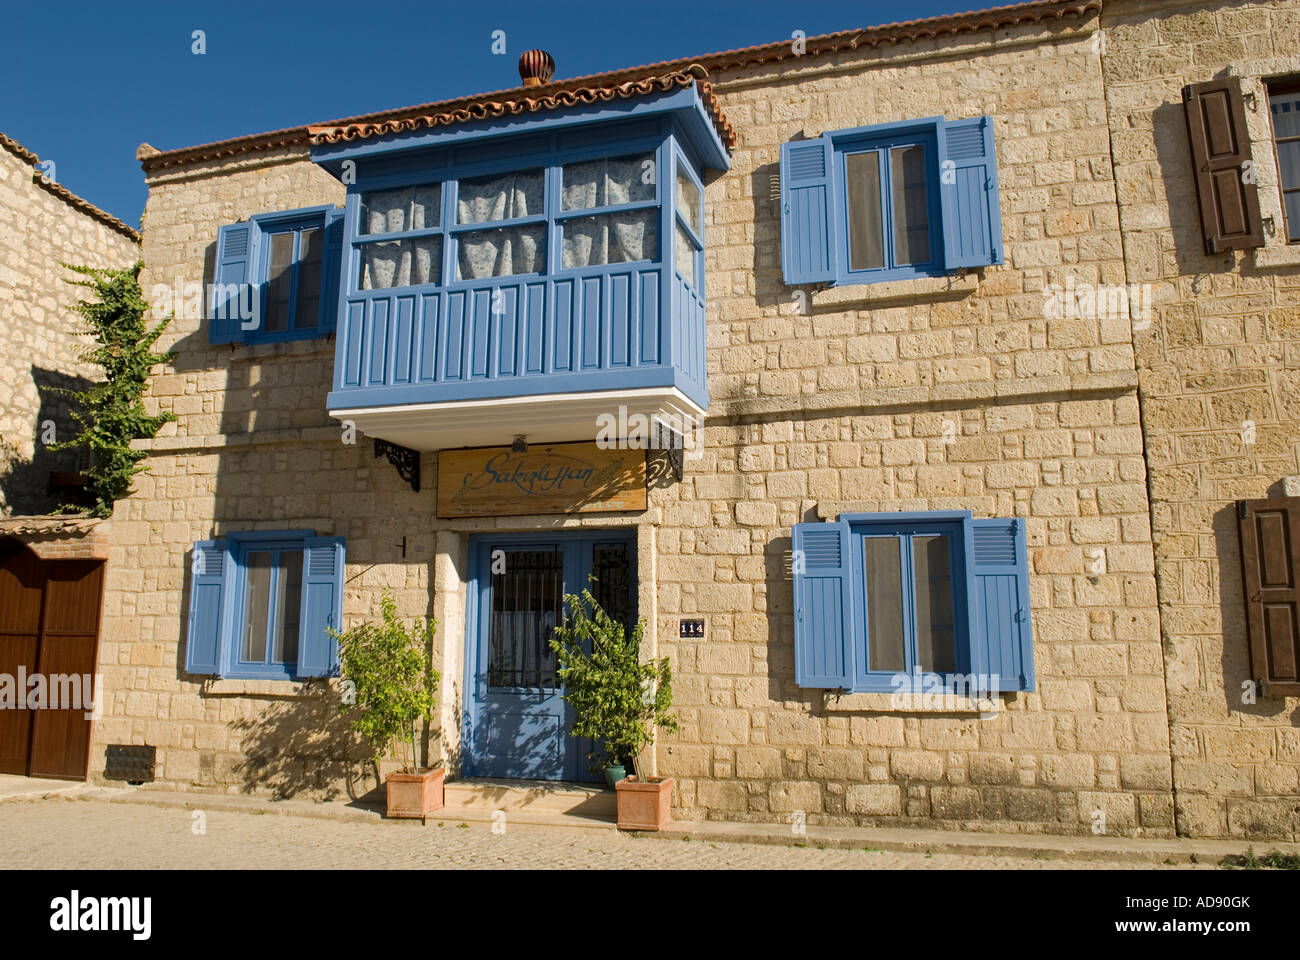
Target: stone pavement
{"points": [[88, 830]]}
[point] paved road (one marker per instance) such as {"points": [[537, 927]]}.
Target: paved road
{"points": [[66, 833]]}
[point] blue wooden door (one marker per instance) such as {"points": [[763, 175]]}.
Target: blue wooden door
{"points": [[517, 723]]}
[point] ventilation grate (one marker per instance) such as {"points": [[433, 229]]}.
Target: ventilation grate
{"points": [[995, 546], [965, 143], [808, 162], [821, 548]]}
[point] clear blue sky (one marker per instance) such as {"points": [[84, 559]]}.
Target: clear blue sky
{"points": [[85, 83]]}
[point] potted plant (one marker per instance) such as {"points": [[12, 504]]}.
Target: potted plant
{"points": [[619, 702], [389, 687]]}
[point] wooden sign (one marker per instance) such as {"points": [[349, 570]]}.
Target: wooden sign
{"points": [[552, 478]]}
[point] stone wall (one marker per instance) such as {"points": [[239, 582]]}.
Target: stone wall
{"points": [[1220, 377], [38, 342]]}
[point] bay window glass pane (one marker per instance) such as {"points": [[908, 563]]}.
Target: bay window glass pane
{"points": [[288, 604], [610, 238], [884, 576], [608, 181], [866, 236], [279, 282], [311, 250], [688, 202], [685, 258], [503, 252], [500, 197], [392, 211], [257, 602], [909, 196], [400, 263], [932, 570]]}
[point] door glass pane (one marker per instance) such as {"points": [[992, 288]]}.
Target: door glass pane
{"points": [[257, 601], [932, 567], [279, 282], [884, 604], [866, 238], [288, 603], [909, 194], [612, 587], [306, 313], [526, 601]]}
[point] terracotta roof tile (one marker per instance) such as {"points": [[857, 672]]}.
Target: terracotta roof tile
{"points": [[63, 193], [517, 99]]}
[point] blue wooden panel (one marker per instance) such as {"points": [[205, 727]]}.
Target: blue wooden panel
{"points": [[454, 350], [592, 310], [403, 333], [649, 320], [534, 329], [506, 331], [564, 325], [972, 219], [322, 602], [807, 227], [428, 335], [377, 348], [210, 566], [351, 343], [235, 256], [1003, 645], [620, 319], [481, 335], [823, 605]]}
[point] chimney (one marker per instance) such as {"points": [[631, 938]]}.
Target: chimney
{"points": [[536, 67]]}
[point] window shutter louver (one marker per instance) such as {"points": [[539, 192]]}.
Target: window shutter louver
{"points": [[333, 268], [322, 603], [968, 194], [210, 565], [1220, 145], [1269, 531], [236, 250], [807, 212], [823, 605], [1003, 644]]}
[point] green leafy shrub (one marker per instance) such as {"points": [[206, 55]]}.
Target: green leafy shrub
{"points": [[110, 414], [618, 701], [392, 681]]}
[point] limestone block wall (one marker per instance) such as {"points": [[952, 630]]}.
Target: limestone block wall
{"points": [[1220, 378], [42, 225]]}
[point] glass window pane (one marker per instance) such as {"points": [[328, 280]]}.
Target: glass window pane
{"points": [[400, 263], [608, 181], [685, 258], [311, 250], [1292, 201], [911, 206], [501, 197], [1286, 114], [288, 602], [503, 252], [610, 238], [932, 568], [866, 238], [392, 211], [688, 202], [279, 283], [884, 577], [526, 603], [257, 600], [1288, 159]]}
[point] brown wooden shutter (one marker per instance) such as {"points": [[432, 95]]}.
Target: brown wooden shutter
{"points": [[1270, 534], [1216, 126]]}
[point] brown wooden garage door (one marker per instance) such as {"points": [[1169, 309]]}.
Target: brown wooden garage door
{"points": [[49, 624]]}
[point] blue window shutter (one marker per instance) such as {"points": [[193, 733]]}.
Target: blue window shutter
{"points": [[322, 604], [1003, 644], [236, 254], [823, 606], [210, 569], [972, 215], [333, 269], [807, 211]]}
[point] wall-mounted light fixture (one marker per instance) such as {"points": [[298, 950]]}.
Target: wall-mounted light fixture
{"points": [[520, 445]]}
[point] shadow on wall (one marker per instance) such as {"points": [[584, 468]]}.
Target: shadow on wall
{"points": [[26, 485]]}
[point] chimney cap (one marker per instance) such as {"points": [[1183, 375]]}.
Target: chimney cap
{"points": [[536, 67]]}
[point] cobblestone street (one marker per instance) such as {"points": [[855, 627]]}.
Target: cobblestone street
{"points": [[94, 834]]}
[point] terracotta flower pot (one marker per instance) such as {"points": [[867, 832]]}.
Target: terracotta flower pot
{"points": [[644, 806], [414, 794]]}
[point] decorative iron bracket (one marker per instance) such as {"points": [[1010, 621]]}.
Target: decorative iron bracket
{"points": [[406, 460]]}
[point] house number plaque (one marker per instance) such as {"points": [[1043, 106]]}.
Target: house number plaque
{"points": [[690, 629]]}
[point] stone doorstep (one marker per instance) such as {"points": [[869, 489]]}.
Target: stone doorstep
{"points": [[899, 839], [30, 788]]}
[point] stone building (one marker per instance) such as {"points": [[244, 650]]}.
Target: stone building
{"points": [[890, 272]]}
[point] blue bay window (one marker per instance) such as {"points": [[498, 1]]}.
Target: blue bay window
{"points": [[890, 202], [883, 600], [261, 605]]}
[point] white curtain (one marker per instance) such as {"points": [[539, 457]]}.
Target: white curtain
{"points": [[611, 238], [504, 251], [410, 208], [401, 263], [608, 181]]}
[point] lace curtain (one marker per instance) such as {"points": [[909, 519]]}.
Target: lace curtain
{"points": [[504, 251], [401, 263], [611, 237]]}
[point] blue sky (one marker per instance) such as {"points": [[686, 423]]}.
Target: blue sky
{"points": [[86, 83]]}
